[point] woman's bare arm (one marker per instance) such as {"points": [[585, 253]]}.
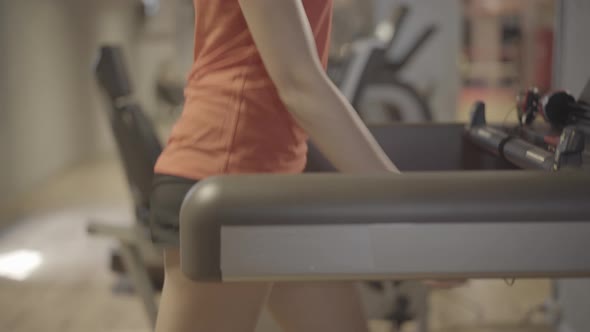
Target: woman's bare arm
{"points": [[285, 41]]}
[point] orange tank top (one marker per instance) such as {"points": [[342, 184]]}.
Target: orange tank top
{"points": [[233, 120]]}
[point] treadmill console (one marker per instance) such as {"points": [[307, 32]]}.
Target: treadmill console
{"points": [[560, 142]]}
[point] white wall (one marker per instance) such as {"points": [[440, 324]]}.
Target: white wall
{"points": [[437, 64], [51, 114], [572, 72], [573, 47], [44, 119]]}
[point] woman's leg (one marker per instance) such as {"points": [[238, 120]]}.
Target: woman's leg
{"points": [[317, 307], [204, 307]]}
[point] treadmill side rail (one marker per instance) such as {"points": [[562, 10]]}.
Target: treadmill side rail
{"points": [[399, 251], [511, 203]]}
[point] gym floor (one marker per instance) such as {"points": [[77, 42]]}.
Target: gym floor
{"points": [[71, 288]]}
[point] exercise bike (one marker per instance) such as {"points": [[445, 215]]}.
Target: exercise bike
{"points": [[369, 78]]}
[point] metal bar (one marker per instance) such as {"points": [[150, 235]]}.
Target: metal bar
{"points": [[143, 287], [405, 251], [125, 234], [451, 213]]}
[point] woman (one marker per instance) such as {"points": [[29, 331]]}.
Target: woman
{"points": [[256, 91]]}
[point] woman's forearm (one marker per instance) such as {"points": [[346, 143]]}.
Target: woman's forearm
{"points": [[335, 127]]}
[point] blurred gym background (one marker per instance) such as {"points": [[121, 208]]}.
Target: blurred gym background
{"points": [[60, 168]]}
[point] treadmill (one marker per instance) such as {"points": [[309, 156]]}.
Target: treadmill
{"points": [[457, 211]]}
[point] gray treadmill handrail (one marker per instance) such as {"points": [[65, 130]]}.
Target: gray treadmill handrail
{"points": [[339, 199]]}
